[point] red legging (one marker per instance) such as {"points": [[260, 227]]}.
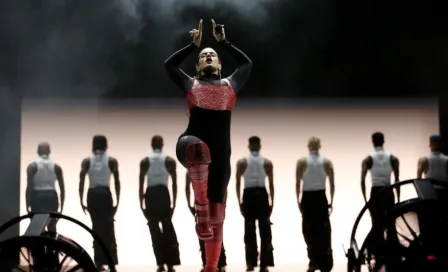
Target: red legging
{"points": [[209, 216]]}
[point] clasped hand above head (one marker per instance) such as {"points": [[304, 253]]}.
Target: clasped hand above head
{"points": [[196, 34]]}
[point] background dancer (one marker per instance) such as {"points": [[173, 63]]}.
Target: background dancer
{"points": [[381, 165], [256, 205], [156, 204], [41, 192], [316, 226], [435, 166], [100, 166], [222, 262], [204, 148]]}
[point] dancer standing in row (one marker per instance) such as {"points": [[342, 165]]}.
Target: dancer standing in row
{"points": [[256, 205], [100, 167], [157, 206], [313, 170], [204, 148], [381, 164], [41, 194], [435, 166]]}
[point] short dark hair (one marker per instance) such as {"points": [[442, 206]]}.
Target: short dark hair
{"points": [[378, 138], [435, 139], [254, 140], [99, 142], [156, 141]]}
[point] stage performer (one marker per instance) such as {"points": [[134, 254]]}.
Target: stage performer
{"points": [[204, 148]]}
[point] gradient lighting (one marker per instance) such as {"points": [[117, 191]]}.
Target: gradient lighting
{"points": [[345, 132]]}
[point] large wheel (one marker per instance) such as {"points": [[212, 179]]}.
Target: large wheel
{"points": [[48, 252], [410, 236], [43, 254]]}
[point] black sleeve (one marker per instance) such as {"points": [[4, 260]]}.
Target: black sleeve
{"points": [[179, 77], [242, 73]]}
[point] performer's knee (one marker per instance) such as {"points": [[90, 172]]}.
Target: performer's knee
{"points": [[198, 159], [198, 153]]}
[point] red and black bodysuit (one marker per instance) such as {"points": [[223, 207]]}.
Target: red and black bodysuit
{"points": [[204, 148]]}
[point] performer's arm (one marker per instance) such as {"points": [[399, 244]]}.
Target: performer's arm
{"points": [[269, 168], [242, 73], [113, 166], [329, 169], [365, 166], [170, 164], [144, 167], [396, 169], [188, 193], [85, 165], [30, 172], [60, 178], [422, 167], [240, 168], [300, 169], [179, 77]]}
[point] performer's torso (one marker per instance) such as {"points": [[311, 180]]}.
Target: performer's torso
{"points": [[255, 173], [45, 177], [381, 168], [314, 178], [157, 173], [210, 107], [437, 166], [99, 171]]}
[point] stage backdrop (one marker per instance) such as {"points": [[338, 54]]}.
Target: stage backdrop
{"points": [[284, 127]]}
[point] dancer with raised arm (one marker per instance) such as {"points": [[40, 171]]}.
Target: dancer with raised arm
{"points": [[204, 148]]}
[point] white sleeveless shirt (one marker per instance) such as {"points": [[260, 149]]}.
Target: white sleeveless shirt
{"points": [[99, 171], [255, 173], [157, 173], [437, 167], [314, 178], [45, 177], [381, 168]]}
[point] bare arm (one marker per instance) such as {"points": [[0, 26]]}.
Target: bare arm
{"points": [[144, 167], [422, 167], [365, 167], [30, 172], [269, 168], [188, 190], [170, 165], [113, 165], [329, 170], [240, 168], [396, 169], [300, 169], [85, 165], [60, 178]]}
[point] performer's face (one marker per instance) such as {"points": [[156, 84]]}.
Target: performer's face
{"points": [[208, 60]]}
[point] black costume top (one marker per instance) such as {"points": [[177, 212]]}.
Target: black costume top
{"points": [[210, 100]]}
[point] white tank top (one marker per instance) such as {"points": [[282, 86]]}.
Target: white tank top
{"points": [[381, 168], [255, 174], [314, 178], [437, 167], [157, 173], [99, 171], [45, 177]]}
